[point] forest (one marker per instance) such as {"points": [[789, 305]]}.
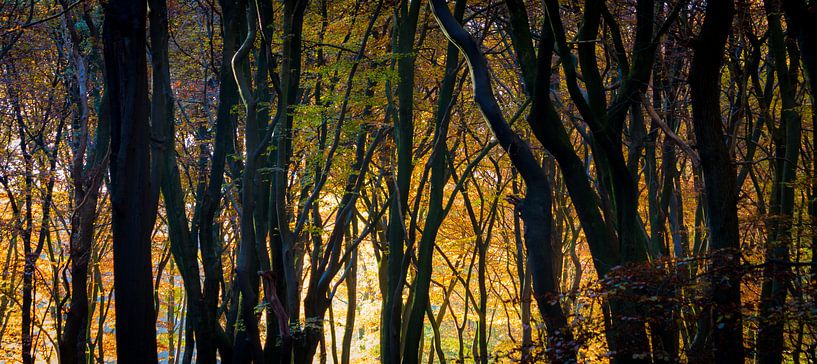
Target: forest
{"points": [[408, 181]]}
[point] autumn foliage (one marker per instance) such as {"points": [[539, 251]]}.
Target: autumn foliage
{"points": [[408, 181]]}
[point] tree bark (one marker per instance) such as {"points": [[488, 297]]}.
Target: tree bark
{"points": [[351, 310], [87, 172], [166, 174], [222, 146], [786, 138], [436, 213], [405, 28], [719, 184], [286, 247], [133, 196], [536, 210]]}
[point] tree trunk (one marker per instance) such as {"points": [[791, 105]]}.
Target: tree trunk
{"points": [[436, 213], [287, 249], [405, 28], [536, 209], [86, 178], [802, 22], [523, 273], [351, 309], [133, 197], [182, 246], [232, 21], [786, 137], [719, 184]]}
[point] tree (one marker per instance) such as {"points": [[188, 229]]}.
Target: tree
{"points": [[293, 181], [88, 167], [134, 193], [719, 183], [537, 203]]}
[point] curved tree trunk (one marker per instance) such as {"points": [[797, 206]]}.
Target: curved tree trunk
{"points": [[87, 171], [719, 184], [232, 20], [182, 246], [436, 213], [536, 209], [786, 139]]}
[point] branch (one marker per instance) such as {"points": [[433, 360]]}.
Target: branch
{"points": [[519, 152], [696, 159], [37, 22]]}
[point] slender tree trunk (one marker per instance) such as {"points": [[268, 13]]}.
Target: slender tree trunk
{"points": [[247, 342], [351, 308], [802, 22], [523, 272], [166, 173], [405, 28], [86, 178], [75, 340], [280, 212], [232, 21], [536, 211], [436, 213], [786, 137]]}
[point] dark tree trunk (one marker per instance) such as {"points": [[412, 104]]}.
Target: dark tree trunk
{"points": [[232, 20], [285, 247], [802, 22], [405, 28], [536, 209], [75, 339], [719, 184], [525, 286], [86, 177], [786, 138], [133, 197], [247, 343], [351, 310], [86, 192], [166, 174], [436, 213]]}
